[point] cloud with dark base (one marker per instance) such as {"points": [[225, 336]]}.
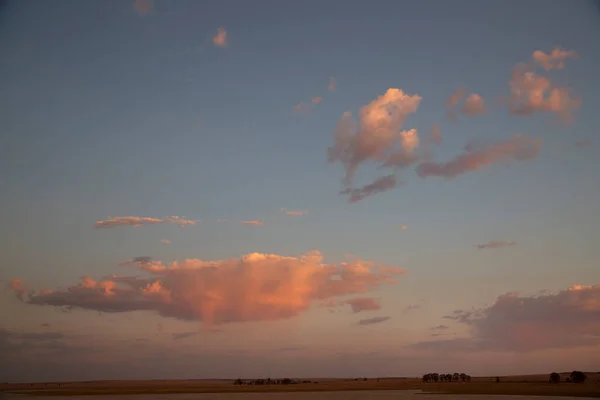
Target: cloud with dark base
{"points": [[373, 321]]}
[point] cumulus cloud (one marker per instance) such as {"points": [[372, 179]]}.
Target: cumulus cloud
{"points": [[359, 304], [531, 93], [377, 136], [220, 39], [165, 241], [517, 148], [474, 105], [553, 60], [494, 244], [331, 85], [139, 221], [297, 213], [255, 287], [380, 185], [142, 7], [372, 321], [569, 318], [253, 222]]}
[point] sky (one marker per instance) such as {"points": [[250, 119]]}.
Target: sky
{"points": [[298, 189]]}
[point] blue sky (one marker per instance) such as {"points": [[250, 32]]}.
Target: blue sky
{"points": [[110, 112]]}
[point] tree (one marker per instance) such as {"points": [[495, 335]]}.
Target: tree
{"points": [[455, 376], [554, 378], [578, 377]]}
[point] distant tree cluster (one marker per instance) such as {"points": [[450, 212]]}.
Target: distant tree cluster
{"points": [[574, 377], [269, 381], [456, 377]]}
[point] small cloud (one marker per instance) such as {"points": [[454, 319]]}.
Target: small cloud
{"points": [[404, 227], [436, 134], [331, 86], [165, 241], [583, 143], [452, 101], [380, 185], [159, 327], [220, 39], [439, 328], [142, 7], [317, 100], [113, 222], [359, 304], [220, 221], [183, 335], [299, 107], [412, 307], [18, 288], [554, 60], [294, 213], [374, 320], [253, 223], [495, 244], [474, 105], [46, 325]]}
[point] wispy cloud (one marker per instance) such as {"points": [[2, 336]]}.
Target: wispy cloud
{"points": [[374, 320], [271, 287], [220, 39], [253, 223], [439, 328], [297, 213], [331, 85], [317, 100], [142, 7], [183, 335], [359, 304], [113, 222], [583, 143], [494, 244], [380, 185], [517, 148]]}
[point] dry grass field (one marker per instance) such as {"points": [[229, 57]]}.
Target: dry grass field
{"points": [[511, 385]]}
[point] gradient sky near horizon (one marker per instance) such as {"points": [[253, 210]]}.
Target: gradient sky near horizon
{"points": [[169, 209]]}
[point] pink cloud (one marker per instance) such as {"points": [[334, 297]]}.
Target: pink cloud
{"points": [[452, 102], [255, 287], [494, 244], [165, 241], [253, 223], [517, 148], [139, 221], [299, 107], [359, 304], [317, 100], [474, 105], [220, 39], [567, 319], [554, 60], [380, 185], [294, 213], [18, 288], [142, 7], [332, 84], [532, 93], [377, 135]]}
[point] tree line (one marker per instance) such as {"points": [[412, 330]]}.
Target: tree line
{"points": [[269, 381], [435, 377], [574, 377]]}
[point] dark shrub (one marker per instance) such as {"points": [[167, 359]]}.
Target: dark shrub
{"points": [[554, 378]]}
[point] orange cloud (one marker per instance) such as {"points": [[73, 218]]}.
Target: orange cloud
{"points": [[517, 148], [316, 100], [359, 304], [255, 287], [494, 244], [404, 227], [139, 221], [380, 185], [299, 107], [142, 7], [294, 213], [220, 39], [377, 137], [331, 85], [18, 288], [253, 223], [474, 105], [532, 93], [554, 60]]}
